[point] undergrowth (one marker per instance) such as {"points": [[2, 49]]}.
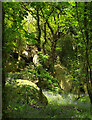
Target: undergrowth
{"points": [[59, 106]]}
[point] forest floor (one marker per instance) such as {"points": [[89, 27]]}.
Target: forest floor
{"points": [[59, 105]]}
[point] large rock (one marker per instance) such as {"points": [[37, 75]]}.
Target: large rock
{"points": [[26, 92], [64, 80]]}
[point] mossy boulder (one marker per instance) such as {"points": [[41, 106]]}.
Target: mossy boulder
{"points": [[64, 80], [25, 92]]}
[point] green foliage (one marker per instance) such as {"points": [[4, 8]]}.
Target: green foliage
{"points": [[42, 73], [84, 99], [30, 38], [43, 58]]}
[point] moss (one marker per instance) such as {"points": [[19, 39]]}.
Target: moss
{"points": [[64, 80], [23, 92]]}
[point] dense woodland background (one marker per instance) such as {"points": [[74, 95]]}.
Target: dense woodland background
{"points": [[47, 51]]}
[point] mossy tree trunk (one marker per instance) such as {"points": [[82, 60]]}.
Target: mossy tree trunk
{"points": [[88, 79], [39, 49], [4, 107]]}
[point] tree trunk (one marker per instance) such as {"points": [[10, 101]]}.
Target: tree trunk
{"points": [[39, 49], [39, 30], [4, 107], [44, 38], [3, 53], [53, 55], [89, 85]]}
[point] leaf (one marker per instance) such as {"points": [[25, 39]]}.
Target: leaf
{"points": [[20, 27], [15, 108], [50, 81], [72, 3]]}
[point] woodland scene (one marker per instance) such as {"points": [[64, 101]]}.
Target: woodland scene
{"points": [[47, 60]]}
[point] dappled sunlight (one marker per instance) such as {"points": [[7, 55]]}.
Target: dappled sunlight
{"points": [[47, 60], [26, 82], [66, 105]]}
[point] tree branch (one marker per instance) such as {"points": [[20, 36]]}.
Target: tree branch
{"points": [[79, 23], [30, 11]]}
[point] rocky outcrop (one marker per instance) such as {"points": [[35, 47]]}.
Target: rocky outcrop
{"points": [[63, 79]]}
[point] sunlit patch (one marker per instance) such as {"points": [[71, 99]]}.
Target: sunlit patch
{"points": [[26, 82]]}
